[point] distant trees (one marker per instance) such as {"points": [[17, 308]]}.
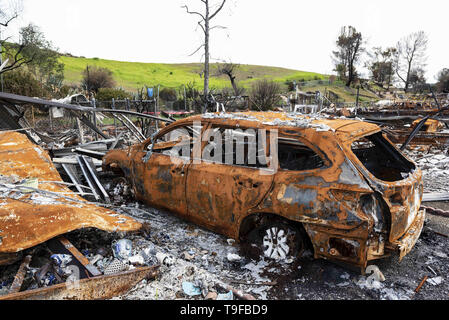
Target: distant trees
{"points": [[43, 59], [443, 81], [347, 56], [264, 95], [205, 19], [417, 79], [411, 58], [405, 62], [95, 78], [33, 60], [381, 66]]}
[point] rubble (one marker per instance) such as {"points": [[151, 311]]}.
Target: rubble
{"points": [[124, 265]]}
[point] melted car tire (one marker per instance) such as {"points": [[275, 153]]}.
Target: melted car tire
{"points": [[256, 247]]}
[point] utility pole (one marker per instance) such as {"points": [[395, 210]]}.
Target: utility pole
{"points": [[185, 99], [1, 59]]}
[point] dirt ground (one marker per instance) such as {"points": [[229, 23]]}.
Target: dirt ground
{"points": [[307, 279]]}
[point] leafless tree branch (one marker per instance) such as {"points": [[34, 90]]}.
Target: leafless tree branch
{"points": [[201, 46], [202, 27], [219, 27], [217, 11], [193, 12]]}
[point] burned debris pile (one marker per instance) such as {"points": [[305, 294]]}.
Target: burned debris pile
{"points": [[69, 229], [38, 207]]}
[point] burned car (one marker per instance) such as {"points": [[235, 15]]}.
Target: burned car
{"points": [[278, 182]]}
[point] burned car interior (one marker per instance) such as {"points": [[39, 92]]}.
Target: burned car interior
{"points": [[381, 158], [295, 156]]}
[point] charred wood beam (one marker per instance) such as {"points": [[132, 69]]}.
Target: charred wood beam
{"points": [[101, 287], [20, 276]]}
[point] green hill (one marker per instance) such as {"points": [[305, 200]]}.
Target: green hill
{"points": [[134, 75]]}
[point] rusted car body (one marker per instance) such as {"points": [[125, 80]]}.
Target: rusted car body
{"points": [[356, 196]]}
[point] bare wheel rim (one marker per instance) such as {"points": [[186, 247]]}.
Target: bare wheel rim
{"points": [[275, 245]]}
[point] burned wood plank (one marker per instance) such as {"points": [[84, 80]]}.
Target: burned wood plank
{"points": [[101, 287], [18, 279], [62, 245]]}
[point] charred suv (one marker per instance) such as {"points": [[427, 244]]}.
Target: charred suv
{"points": [[278, 182]]}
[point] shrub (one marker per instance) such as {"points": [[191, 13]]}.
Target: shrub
{"points": [[265, 95], [95, 78], [168, 94], [107, 94], [443, 81], [23, 83]]}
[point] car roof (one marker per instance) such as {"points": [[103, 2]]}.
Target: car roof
{"points": [[345, 129]]}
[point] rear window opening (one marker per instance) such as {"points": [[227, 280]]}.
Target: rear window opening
{"points": [[381, 159]]}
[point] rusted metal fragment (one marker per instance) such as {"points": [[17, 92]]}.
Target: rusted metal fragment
{"points": [[102, 287], [408, 240], [30, 216]]}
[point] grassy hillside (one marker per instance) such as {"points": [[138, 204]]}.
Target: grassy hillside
{"points": [[133, 75]]}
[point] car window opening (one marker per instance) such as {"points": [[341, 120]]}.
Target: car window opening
{"points": [[241, 148], [381, 159], [295, 156]]}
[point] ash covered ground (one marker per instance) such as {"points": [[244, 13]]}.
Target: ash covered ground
{"points": [[201, 257], [205, 259]]}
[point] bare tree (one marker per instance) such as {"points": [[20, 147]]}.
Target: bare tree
{"points": [[9, 11], [349, 49], [204, 23], [411, 55], [229, 69]]}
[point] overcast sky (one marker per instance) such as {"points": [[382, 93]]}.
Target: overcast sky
{"points": [[286, 33]]}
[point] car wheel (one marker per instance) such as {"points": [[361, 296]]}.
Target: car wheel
{"points": [[276, 241]]}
